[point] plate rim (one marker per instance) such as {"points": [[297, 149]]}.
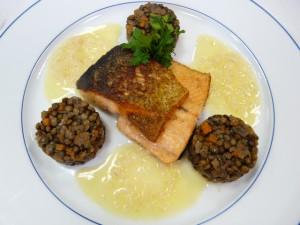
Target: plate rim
{"points": [[252, 1], [248, 187]]}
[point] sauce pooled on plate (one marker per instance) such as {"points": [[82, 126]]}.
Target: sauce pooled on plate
{"points": [[135, 184], [74, 56], [234, 89]]}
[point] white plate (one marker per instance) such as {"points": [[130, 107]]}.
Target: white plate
{"points": [[24, 49]]}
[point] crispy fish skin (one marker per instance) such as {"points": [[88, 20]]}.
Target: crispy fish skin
{"points": [[147, 94], [177, 131]]}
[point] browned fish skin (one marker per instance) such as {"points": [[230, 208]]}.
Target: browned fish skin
{"points": [[98, 77], [148, 94], [177, 131]]}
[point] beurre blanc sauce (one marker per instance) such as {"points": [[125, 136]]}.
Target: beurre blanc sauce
{"points": [[74, 56], [134, 184], [234, 88]]}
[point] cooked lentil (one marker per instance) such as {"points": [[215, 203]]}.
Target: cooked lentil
{"points": [[141, 18], [223, 148], [71, 132]]}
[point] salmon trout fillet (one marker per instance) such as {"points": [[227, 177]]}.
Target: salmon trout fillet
{"points": [[176, 133], [147, 94]]}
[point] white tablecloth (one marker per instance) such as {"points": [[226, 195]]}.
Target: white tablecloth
{"points": [[287, 12]]}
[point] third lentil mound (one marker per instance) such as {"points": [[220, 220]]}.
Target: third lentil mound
{"points": [[223, 148]]}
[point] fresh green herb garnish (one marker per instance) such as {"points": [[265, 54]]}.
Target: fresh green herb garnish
{"points": [[158, 45]]}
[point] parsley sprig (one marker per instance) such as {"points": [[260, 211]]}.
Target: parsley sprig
{"points": [[158, 45]]}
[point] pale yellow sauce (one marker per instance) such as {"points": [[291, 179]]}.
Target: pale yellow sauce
{"points": [[135, 184], [73, 57], [234, 89]]}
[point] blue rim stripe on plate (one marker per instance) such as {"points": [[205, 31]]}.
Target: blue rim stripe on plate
{"points": [[18, 17], [280, 24], [255, 3], [184, 7]]}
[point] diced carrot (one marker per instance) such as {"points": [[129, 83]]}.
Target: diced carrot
{"points": [[212, 138], [71, 153], [240, 154], [206, 128], [59, 147], [46, 121]]}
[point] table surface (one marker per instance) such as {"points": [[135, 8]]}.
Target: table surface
{"points": [[285, 12]]}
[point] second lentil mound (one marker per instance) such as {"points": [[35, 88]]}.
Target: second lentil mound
{"points": [[71, 132], [223, 148]]}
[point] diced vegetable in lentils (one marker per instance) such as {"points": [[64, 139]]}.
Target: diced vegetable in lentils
{"points": [[141, 18], [71, 132], [223, 148]]}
